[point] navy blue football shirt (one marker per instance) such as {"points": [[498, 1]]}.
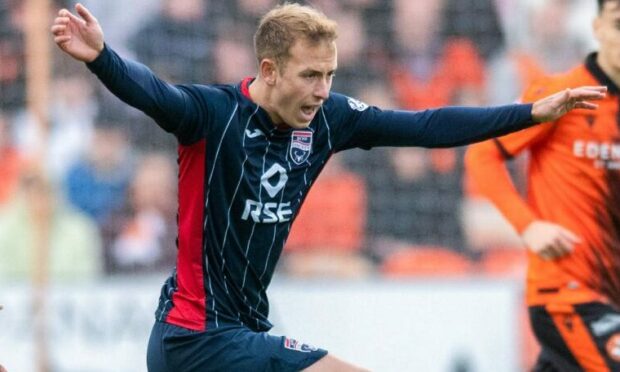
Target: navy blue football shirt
{"points": [[242, 180]]}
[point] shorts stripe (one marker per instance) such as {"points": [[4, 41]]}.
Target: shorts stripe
{"points": [[579, 340]]}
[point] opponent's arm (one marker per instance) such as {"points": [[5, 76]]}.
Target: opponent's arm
{"points": [[485, 164]]}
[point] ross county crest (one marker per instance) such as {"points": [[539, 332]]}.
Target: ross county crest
{"points": [[301, 146]]}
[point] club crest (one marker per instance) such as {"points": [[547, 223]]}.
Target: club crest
{"points": [[301, 146]]}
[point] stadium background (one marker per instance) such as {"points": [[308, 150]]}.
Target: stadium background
{"points": [[394, 262]]}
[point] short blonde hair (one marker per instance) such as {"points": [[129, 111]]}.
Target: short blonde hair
{"points": [[281, 27]]}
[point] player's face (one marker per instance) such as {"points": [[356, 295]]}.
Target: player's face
{"points": [[607, 32], [303, 83]]}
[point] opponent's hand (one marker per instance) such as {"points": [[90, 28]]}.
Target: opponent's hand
{"points": [[554, 106], [549, 240], [81, 38]]}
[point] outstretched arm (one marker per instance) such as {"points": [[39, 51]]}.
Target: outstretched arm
{"points": [[485, 161], [82, 38], [456, 126]]}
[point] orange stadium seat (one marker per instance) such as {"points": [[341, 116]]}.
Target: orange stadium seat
{"points": [[426, 261], [506, 262]]}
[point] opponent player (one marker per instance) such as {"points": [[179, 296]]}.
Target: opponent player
{"points": [[571, 219], [248, 154]]}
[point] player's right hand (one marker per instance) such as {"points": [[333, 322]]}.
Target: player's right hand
{"points": [[549, 240], [81, 38]]}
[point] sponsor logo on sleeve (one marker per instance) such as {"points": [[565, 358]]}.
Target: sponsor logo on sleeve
{"points": [[356, 105], [295, 345]]}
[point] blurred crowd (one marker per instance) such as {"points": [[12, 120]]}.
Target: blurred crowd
{"points": [[104, 196]]}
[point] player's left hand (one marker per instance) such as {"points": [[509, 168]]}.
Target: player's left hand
{"points": [[549, 240], [554, 106]]}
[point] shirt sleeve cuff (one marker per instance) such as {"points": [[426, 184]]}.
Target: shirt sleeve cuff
{"points": [[101, 59], [527, 112]]}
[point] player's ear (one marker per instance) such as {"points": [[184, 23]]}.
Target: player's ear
{"points": [[268, 71]]}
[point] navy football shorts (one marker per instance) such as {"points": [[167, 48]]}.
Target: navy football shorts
{"points": [[228, 348], [576, 338]]}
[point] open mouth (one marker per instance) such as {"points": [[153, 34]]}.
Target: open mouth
{"points": [[309, 110]]}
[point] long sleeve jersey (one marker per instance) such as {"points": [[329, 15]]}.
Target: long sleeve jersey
{"points": [[573, 180], [242, 179]]}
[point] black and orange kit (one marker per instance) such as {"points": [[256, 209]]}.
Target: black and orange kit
{"points": [[573, 181]]}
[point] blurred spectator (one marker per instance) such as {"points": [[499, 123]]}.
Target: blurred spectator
{"points": [[98, 183], [233, 56], [13, 52], [327, 236], [141, 238], [10, 163], [178, 43], [428, 71], [354, 69], [538, 46], [474, 20], [72, 114], [12, 58], [38, 213], [415, 200], [121, 18], [414, 194], [421, 201], [484, 226], [142, 134], [252, 10], [377, 92]]}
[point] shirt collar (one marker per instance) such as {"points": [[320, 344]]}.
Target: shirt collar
{"points": [[593, 67]]}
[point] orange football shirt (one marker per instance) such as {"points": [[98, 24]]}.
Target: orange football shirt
{"points": [[573, 180]]}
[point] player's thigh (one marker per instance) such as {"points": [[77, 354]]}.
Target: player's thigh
{"points": [[578, 337], [329, 363], [285, 354], [172, 348], [155, 354]]}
